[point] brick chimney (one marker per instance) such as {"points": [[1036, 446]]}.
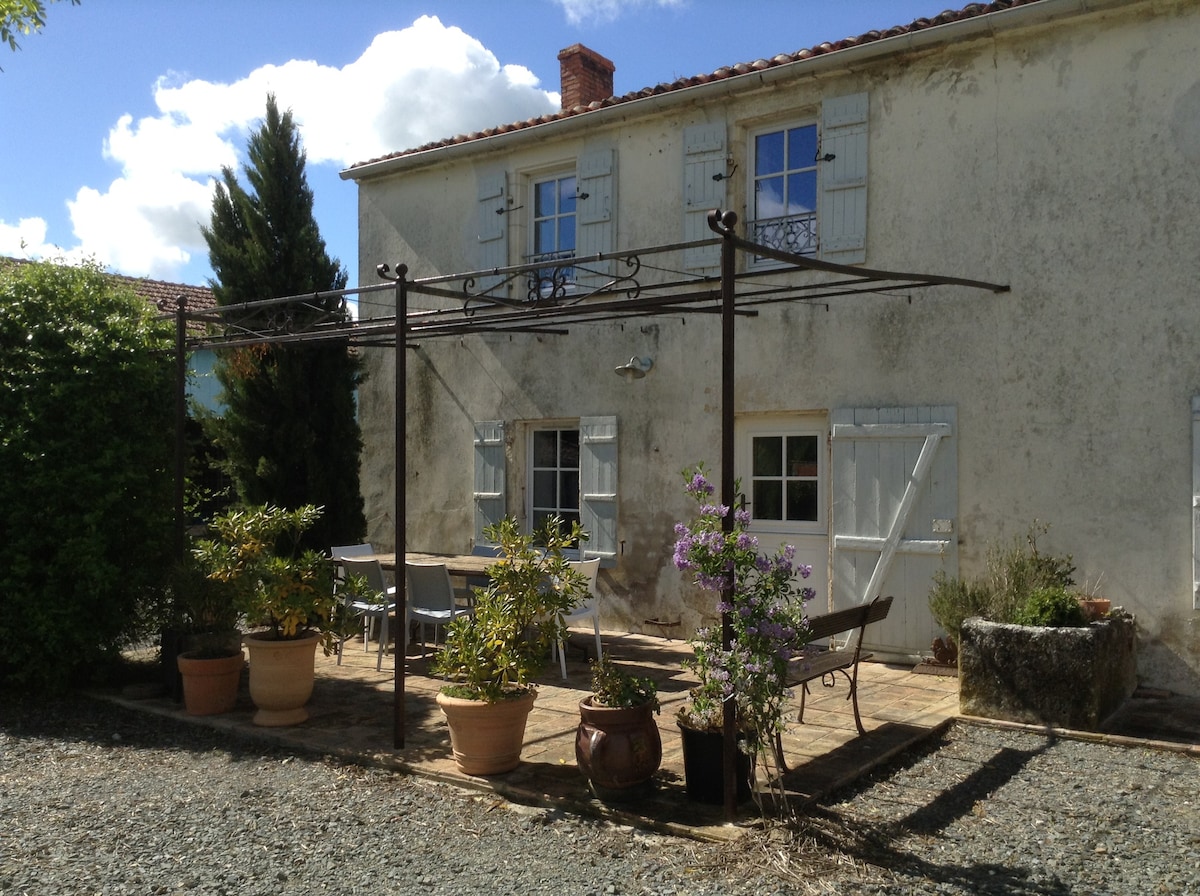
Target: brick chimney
{"points": [[587, 77]]}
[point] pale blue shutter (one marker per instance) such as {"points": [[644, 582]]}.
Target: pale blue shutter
{"points": [[488, 493], [704, 175], [1196, 502], [842, 215], [491, 235], [598, 487], [596, 187]]}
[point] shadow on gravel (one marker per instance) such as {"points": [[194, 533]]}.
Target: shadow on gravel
{"points": [[960, 799], [81, 718], [881, 844]]}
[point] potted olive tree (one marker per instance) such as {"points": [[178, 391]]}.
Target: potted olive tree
{"points": [[285, 594], [202, 630], [617, 744], [492, 656]]}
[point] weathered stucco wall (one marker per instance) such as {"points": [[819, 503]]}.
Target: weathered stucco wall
{"points": [[1062, 159]]}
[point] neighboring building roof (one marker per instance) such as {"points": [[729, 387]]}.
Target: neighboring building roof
{"points": [[199, 298], [159, 293], [970, 11]]}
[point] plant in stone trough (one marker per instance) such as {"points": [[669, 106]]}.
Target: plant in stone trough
{"points": [[1016, 572]]}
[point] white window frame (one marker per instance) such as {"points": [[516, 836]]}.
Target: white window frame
{"points": [[753, 178], [557, 256], [530, 469], [783, 426], [598, 470]]}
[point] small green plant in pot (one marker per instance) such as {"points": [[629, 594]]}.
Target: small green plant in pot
{"points": [[492, 656], [617, 744], [204, 610], [208, 659], [282, 590]]}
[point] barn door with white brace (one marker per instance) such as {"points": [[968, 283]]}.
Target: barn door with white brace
{"points": [[894, 516]]}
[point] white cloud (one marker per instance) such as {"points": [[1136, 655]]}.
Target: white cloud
{"points": [[26, 239], [579, 12], [409, 87]]}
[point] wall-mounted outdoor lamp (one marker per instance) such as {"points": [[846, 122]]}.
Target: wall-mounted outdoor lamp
{"points": [[635, 368]]}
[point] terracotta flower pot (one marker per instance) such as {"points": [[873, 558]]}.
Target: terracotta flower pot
{"points": [[486, 737], [1095, 607], [618, 749], [281, 678], [210, 684]]}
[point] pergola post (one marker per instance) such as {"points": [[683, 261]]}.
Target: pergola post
{"points": [[401, 523], [723, 223]]}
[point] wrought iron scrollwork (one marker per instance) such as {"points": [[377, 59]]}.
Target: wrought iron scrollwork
{"points": [[796, 234], [548, 285]]}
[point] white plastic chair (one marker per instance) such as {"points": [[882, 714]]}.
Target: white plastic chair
{"points": [[371, 570], [588, 608], [337, 552], [429, 598]]}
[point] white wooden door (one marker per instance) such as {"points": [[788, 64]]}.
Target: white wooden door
{"points": [[783, 467], [894, 516]]}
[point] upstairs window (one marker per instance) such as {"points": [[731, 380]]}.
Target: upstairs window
{"points": [[553, 225], [808, 184], [785, 190]]}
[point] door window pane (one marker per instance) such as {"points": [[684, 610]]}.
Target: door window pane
{"points": [[785, 472], [768, 456]]}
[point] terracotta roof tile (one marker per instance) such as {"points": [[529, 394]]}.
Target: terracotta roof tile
{"points": [[157, 292], [969, 11]]}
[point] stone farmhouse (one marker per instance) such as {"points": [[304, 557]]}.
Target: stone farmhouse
{"points": [[1050, 146]]}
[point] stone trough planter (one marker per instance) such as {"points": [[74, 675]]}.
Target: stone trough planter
{"points": [[1061, 677]]}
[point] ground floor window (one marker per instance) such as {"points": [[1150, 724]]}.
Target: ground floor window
{"points": [[554, 475]]}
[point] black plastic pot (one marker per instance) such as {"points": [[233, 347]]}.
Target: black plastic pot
{"points": [[703, 767]]}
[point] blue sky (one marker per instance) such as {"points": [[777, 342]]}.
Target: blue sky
{"points": [[120, 114]]}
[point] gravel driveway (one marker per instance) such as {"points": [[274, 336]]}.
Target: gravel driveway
{"points": [[95, 799]]}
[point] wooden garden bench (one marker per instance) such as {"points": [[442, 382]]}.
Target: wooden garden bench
{"points": [[824, 662]]}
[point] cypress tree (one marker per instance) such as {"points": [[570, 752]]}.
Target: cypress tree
{"points": [[289, 431]]}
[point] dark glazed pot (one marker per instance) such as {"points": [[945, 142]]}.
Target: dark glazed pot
{"points": [[618, 749]]}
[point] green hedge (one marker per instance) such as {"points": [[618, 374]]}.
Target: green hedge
{"points": [[86, 442]]}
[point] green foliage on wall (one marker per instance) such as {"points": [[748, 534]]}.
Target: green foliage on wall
{"points": [[86, 430]]}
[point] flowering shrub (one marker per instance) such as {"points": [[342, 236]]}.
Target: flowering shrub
{"points": [[766, 613]]}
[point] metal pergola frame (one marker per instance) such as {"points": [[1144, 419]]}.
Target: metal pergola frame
{"points": [[558, 293]]}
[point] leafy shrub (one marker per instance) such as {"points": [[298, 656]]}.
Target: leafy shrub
{"points": [[615, 688], [1051, 607], [86, 446], [1015, 572], [954, 600]]}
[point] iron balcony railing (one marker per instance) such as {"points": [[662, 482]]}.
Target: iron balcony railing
{"points": [[796, 234]]}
